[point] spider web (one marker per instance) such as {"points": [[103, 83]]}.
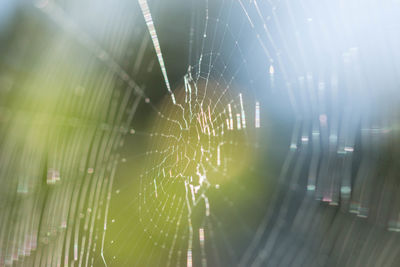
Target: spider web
{"points": [[210, 151], [203, 136], [221, 55], [200, 140]]}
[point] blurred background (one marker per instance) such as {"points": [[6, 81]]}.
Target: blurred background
{"points": [[199, 133]]}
